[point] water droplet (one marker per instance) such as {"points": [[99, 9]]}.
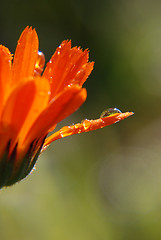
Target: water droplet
{"points": [[109, 111], [84, 120], [39, 66]]}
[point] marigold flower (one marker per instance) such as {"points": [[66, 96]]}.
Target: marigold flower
{"points": [[32, 103]]}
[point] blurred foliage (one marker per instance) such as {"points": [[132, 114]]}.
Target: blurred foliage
{"points": [[104, 184]]}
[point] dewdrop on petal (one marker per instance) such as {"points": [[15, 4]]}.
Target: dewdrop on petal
{"points": [[109, 111]]}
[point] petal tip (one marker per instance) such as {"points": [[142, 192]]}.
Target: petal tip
{"points": [[121, 116]]}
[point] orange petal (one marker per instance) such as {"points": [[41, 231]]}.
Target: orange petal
{"points": [[5, 74], [86, 126], [83, 74], [62, 106], [6, 134], [39, 103], [17, 106], [66, 67], [25, 55]]}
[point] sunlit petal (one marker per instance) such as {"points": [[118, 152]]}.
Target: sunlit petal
{"points": [[40, 102], [25, 56], [67, 66], [5, 74], [18, 106], [61, 107], [86, 126]]}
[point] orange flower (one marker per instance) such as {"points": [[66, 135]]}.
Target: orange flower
{"points": [[31, 105]]}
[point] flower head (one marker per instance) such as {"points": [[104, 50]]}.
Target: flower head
{"points": [[32, 102]]}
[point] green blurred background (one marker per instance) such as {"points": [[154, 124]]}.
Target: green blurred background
{"points": [[103, 185]]}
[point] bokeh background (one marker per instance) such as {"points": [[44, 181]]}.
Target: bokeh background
{"points": [[102, 185]]}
